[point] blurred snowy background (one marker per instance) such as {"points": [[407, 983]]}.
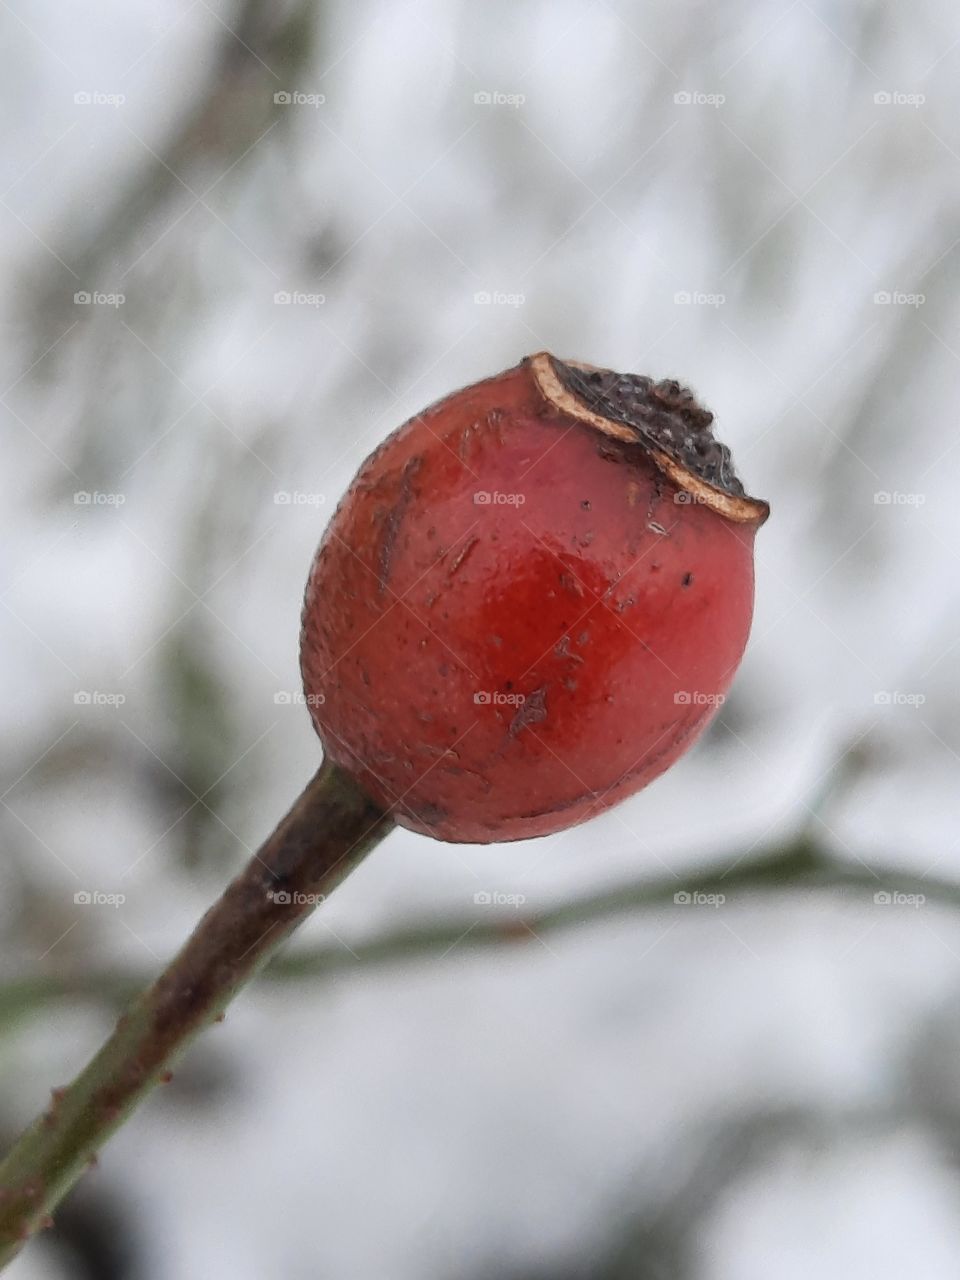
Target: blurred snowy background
{"points": [[242, 241]]}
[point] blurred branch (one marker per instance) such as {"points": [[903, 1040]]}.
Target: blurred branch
{"points": [[801, 865], [664, 1238], [261, 44]]}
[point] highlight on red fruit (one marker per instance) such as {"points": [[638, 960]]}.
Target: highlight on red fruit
{"points": [[531, 601]]}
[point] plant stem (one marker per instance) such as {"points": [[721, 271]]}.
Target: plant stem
{"points": [[327, 832]]}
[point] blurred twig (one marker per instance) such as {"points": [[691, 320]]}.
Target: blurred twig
{"points": [[801, 865], [260, 44]]}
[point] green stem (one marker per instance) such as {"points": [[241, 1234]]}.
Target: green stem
{"points": [[327, 832]]}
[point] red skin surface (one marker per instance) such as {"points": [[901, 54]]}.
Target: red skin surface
{"points": [[616, 611]]}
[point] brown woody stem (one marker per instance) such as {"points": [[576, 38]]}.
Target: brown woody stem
{"points": [[327, 832]]}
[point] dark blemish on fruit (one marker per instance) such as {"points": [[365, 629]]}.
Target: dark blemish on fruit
{"points": [[570, 584], [656, 495], [508, 686], [686, 579], [531, 711], [585, 504], [562, 650], [430, 814], [394, 519]]}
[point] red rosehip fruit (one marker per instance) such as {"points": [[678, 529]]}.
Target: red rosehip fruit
{"points": [[530, 602]]}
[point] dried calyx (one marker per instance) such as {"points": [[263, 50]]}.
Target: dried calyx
{"points": [[664, 417]]}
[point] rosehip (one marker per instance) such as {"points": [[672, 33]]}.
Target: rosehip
{"points": [[530, 601]]}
